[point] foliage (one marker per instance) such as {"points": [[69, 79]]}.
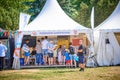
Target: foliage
{"points": [[34, 7], [79, 10], [9, 13], [68, 7], [103, 9]]}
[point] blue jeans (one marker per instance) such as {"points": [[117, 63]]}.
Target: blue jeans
{"points": [[45, 52], [39, 58]]}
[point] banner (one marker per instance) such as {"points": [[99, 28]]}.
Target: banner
{"points": [[92, 18], [23, 20], [52, 33], [18, 42]]}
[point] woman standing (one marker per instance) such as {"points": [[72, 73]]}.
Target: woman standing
{"points": [[55, 54], [60, 54], [26, 50]]}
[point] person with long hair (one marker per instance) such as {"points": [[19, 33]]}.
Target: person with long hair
{"points": [[59, 55], [55, 54], [26, 50]]}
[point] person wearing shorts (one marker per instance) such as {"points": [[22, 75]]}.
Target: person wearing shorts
{"points": [[44, 43], [26, 50], [81, 55], [50, 52], [72, 52], [67, 57]]}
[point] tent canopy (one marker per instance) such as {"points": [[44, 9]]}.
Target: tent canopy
{"points": [[108, 53], [52, 18], [112, 23]]}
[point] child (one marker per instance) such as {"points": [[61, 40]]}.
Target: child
{"points": [[55, 54], [67, 57]]}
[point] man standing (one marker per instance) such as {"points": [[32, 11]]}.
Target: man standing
{"points": [[45, 49], [50, 52], [81, 55], [3, 50]]}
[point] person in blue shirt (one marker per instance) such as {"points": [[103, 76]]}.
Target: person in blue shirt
{"points": [[67, 57], [3, 50]]}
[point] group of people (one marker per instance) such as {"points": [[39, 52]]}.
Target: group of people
{"points": [[49, 53]]}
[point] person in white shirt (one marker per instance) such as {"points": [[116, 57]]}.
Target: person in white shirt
{"points": [[3, 50], [50, 52], [45, 49], [26, 50], [39, 53]]}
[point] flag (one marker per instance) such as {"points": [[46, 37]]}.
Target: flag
{"points": [[92, 18], [23, 20]]}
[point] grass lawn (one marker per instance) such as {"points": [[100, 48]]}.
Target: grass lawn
{"points": [[99, 73]]}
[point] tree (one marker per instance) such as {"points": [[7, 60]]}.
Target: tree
{"points": [[9, 14], [69, 8], [103, 9], [34, 7]]}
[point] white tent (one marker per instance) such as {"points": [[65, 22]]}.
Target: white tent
{"points": [[52, 20], [108, 52]]}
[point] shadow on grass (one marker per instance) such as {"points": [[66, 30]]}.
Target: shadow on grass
{"points": [[64, 71]]}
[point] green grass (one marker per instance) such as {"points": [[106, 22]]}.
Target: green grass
{"points": [[99, 73]]}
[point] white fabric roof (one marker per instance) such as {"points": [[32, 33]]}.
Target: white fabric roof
{"points": [[112, 23], [108, 54], [53, 18]]}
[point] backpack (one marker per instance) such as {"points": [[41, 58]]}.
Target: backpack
{"points": [[33, 52], [71, 50]]}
